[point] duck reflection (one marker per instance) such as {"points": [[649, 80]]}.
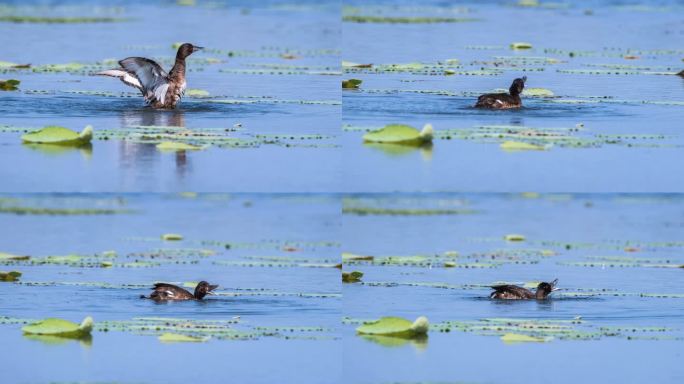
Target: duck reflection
{"points": [[134, 156]]}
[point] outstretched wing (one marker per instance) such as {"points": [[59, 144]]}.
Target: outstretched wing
{"points": [[153, 79], [125, 77]]}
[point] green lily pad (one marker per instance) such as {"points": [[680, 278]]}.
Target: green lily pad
{"points": [[514, 237], [351, 277], [11, 276], [511, 338], [176, 146], [60, 327], [9, 85], [179, 338], [351, 83], [520, 146], [521, 45], [59, 136], [172, 237], [537, 92], [199, 93], [346, 256], [9, 256], [400, 134], [395, 326]]}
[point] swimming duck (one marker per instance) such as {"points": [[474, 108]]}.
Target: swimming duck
{"points": [[160, 89], [503, 100], [513, 292], [164, 291]]}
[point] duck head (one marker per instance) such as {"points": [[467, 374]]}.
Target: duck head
{"points": [[203, 288], [517, 86], [545, 289], [186, 50]]}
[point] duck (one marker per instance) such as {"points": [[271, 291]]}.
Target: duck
{"points": [[159, 89], [168, 292], [503, 100], [513, 292]]}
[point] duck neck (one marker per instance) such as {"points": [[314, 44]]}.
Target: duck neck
{"points": [[178, 70], [540, 295]]}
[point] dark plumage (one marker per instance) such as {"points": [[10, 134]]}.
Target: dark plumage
{"points": [[160, 89], [503, 100], [164, 291], [513, 292]]}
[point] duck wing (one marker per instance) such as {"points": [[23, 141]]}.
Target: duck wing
{"points": [[125, 77], [164, 291], [153, 79], [510, 291]]}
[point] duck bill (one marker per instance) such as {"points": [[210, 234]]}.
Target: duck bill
{"points": [[195, 48], [211, 288]]}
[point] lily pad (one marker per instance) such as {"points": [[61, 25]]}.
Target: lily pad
{"points": [[537, 92], [9, 85], [60, 327], [178, 338], [11, 276], [515, 237], [9, 256], [176, 146], [400, 134], [172, 237], [521, 45], [511, 338], [351, 83], [348, 277], [395, 326], [520, 146], [55, 135]]}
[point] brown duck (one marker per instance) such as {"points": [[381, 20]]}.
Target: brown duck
{"points": [[164, 292], [513, 292], [503, 100], [160, 89]]}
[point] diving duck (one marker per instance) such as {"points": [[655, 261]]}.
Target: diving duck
{"points": [[503, 100], [160, 89], [164, 292], [513, 292]]}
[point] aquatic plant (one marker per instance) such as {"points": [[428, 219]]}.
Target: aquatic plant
{"points": [[55, 135], [60, 327]]}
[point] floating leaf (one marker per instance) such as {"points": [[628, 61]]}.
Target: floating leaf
{"points": [[395, 326], [400, 134], [351, 83], [511, 338], [179, 338], [520, 146], [537, 92], [59, 136], [346, 256], [199, 93], [520, 45], [349, 64], [11, 276], [9, 85], [59, 20], [351, 277], [176, 146], [514, 237], [172, 237], [404, 20], [60, 327], [9, 256]]}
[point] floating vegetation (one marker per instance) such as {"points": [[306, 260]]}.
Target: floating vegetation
{"points": [[404, 212], [180, 338], [351, 84], [395, 327], [9, 85], [520, 45], [60, 327], [520, 146], [11, 276], [55, 135], [59, 20], [350, 277], [172, 146], [400, 134], [172, 237], [514, 237], [513, 338], [11, 257], [405, 20]]}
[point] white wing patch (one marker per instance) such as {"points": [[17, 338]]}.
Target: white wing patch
{"points": [[160, 92], [124, 76], [169, 293]]}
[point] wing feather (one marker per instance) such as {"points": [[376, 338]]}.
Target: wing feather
{"points": [[152, 77]]}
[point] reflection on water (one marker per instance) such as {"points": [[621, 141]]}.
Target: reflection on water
{"points": [[419, 342], [401, 150], [132, 155], [85, 341], [56, 150]]}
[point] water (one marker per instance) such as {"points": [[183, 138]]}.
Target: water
{"points": [[258, 226], [595, 225], [613, 30], [259, 33]]}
